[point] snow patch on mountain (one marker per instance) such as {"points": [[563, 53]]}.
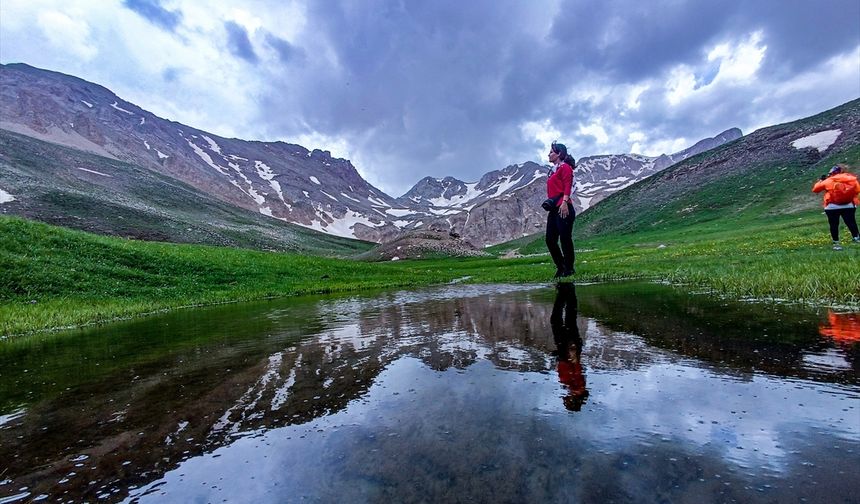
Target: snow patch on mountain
{"points": [[504, 184], [212, 145], [205, 157], [116, 106], [263, 170], [347, 196], [277, 187], [821, 140], [377, 201], [445, 211], [399, 212], [315, 180], [88, 104], [343, 226], [6, 197], [94, 172], [458, 200]]}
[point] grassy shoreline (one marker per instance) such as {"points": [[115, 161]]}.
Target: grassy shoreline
{"points": [[58, 278]]}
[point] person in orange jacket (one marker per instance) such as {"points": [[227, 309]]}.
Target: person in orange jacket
{"points": [[835, 209]]}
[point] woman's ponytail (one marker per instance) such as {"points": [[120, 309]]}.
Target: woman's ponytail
{"points": [[561, 150]]}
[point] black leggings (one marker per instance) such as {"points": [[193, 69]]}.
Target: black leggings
{"points": [[847, 215], [558, 229]]}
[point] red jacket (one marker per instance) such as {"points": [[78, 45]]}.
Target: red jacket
{"points": [[827, 184], [560, 182]]}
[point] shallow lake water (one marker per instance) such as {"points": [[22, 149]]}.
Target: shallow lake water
{"points": [[625, 392]]}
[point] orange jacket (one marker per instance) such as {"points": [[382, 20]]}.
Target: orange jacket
{"points": [[827, 184]]}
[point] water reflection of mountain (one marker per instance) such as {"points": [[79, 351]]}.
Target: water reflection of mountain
{"points": [[190, 384], [121, 407]]}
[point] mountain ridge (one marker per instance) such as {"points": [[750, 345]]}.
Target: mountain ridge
{"points": [[282, 180]]}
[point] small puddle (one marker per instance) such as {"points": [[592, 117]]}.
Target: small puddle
{"points": [[626, 392]]}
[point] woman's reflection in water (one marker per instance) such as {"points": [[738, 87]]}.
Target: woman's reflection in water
{"points": [[568, 344]]}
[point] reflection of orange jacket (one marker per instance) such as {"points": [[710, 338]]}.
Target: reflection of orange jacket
{"points": [[841, 327], [827, 185]]}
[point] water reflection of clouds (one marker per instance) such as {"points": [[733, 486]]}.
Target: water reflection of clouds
{"points": [[751, 423], [830, 359], [418, 427]]}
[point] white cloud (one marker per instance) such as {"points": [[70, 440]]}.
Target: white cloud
{"points": [[739, 63], [67, 34], [633, 95], [339, 147], [662, 146], [597, 131], [544, 132], [680, 84]]}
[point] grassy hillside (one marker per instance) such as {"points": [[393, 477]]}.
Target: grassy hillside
{"points": [[753, 178], [739, 219], [123, 199]]}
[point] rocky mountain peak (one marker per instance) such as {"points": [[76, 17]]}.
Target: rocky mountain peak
{"points": [[289, 182]]}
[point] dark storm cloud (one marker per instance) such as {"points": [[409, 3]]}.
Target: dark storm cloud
{"points": [[432, 88], [801, 33], [155, 13], [238, 42], [432, 84], [631, 40]]}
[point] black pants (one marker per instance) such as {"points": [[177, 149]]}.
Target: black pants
{"points": [[558, 229], [847, 215]]}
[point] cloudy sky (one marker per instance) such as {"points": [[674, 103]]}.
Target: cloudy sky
{"points": [[412, 88]]}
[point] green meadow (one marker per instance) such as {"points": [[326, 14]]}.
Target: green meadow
{"points": [[738, 220], [56, 278]]}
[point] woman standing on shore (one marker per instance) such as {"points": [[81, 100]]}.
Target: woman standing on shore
{"points": [[559, 221]]}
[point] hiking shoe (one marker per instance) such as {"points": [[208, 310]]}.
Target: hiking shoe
{"points": [[856, 239], [837, 246]]}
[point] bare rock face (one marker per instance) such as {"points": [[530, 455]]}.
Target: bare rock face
{"points": [[423, 244], [288, 182], [280, 180]]}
